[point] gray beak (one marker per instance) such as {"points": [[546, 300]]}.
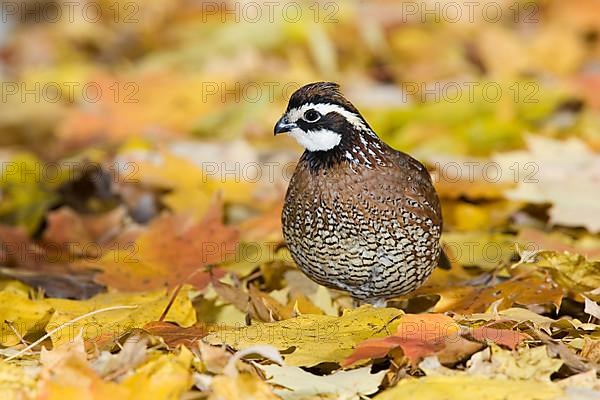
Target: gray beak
{"points": [[283, 126]]}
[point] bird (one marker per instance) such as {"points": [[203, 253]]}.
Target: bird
{"points": [[358, 215]]}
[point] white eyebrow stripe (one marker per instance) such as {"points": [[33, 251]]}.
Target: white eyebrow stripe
{"points": [[325, 108]]}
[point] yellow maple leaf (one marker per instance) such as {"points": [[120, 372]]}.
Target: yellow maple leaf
{"points": [[311, 339]]}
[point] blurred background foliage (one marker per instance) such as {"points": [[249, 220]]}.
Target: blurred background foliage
{"points": [[87, 81]]}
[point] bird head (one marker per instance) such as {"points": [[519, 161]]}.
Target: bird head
{"points": [[319, 117]]}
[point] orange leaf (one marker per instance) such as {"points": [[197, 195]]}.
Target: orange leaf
{"points": [[174, 335], [419, 335], [503, 337], [173, 250]]}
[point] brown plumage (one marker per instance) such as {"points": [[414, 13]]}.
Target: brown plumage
{"points": [[358, 215]]}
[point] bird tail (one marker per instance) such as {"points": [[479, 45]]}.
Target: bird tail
{"points": [[444, 261]]}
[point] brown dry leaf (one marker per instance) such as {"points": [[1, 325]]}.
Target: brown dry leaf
{"points": [[70, 235], [14, 244], [524, 290], [46, 265], [214, 358], [175, 335], [260, 305], [591, 350], [173, 250], [67, 226]]}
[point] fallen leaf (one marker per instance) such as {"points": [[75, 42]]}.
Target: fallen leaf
{"points": [[214, 358], [533, 364], [173, 250], [592, 308], [518, 315], [21, 316], [299, 384], [503, 337], [310, 339], [524, 290], [570, 271], [267, 352], [243, 387], [66, 375], [468, 388], [419, 335], [105, 328], [17, 382], [175, 335], [165, 377], [133, 354]]}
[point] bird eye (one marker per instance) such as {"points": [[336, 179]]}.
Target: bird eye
{"points": [[312, 116]]}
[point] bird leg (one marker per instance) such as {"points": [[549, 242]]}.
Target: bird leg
{"points": [[377, 303]]}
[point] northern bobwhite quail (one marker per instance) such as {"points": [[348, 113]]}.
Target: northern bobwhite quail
{"points": [[358, 215]]}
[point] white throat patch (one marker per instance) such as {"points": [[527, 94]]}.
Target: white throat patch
{"points": [[319, 140]]}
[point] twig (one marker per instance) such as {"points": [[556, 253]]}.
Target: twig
{"points": [[170, 303], [16, 332], [53, 331], [207, 268]]}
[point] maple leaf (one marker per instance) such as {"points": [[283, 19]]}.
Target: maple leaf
{"points": [[173, 250], [312, 339], [419, 335]]}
